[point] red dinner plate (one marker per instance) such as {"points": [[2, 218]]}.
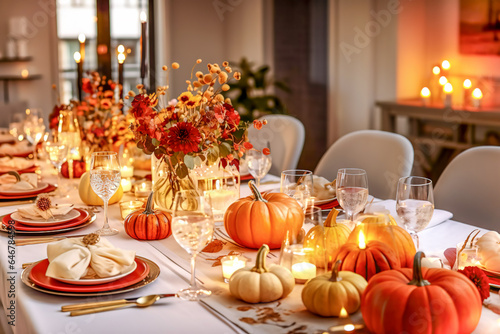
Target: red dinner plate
{"points": [[247, 177], [37, 275], [84, 215], [48, 189], [30, 169]]}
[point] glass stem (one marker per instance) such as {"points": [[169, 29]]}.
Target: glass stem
{"points": [[414, 236], [258, 182], [59, 180], [106, 225], [350, 216], [193, 276]]}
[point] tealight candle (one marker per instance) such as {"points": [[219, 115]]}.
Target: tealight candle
{"points": [[143, 189], [127, 171], [126, 185], [477, 96], [303, 271], [221, 199], [130, 206], [467, 85], [230, 264]]}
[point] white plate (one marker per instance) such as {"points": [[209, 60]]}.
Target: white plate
{"points": [[50, 222], [40, 187], [324, 201], [95, 281]]}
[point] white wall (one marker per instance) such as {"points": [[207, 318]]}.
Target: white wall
{"points": [[41, 45]]}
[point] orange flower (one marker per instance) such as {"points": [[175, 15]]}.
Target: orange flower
{"points": [[266, 151], [257, 124]]}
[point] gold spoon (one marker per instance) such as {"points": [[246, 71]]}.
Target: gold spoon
{"points": [[88, 308]]}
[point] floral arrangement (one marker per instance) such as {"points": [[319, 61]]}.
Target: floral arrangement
{"points": [[480, 280], [200, 126], [103, 126]]}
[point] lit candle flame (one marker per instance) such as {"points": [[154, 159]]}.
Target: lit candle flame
{"points": [[425, 92], [120, 48], [77, 56], [361, 240], [121, 58], [443, 81], [445, 65], [349, 327], [436, 70], [477, 94], [448, 88], [143, 17], [343, 313], [81, 38], [467, 84]]}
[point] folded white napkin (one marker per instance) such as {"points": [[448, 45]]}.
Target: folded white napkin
{"points": [[33, 212], [9, 182], [7, 163], [438, 217], [72, 259], [322, 188], [18, 147]]}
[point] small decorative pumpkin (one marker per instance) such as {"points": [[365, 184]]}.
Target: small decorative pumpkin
{"points": [[380, 228], [327, 294], [326, 239], [150, 224], [261, 219], [421, 300], [79, 167], [488, 247], [367, 259], [261, 284], [89, 197]]}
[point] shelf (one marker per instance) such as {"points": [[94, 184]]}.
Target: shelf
{"points": [[18, 77], [13, 60]]}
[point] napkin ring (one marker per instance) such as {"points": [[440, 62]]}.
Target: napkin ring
{"points": [[91, 239]]}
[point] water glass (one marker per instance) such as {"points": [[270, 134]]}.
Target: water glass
{"points": [[258, 164], [298, 184], [352, 190]]}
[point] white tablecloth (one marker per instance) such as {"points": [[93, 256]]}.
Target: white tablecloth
{"points": [[37, 312]]}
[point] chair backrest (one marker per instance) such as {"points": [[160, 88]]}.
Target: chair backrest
{"points": [[285, 136], [385, 156], [469, 187]]}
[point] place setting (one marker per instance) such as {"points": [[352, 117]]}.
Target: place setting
{"points": [[89, 266]]}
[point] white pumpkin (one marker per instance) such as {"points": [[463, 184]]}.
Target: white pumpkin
{"points": [[488, 247], [260, 284]]}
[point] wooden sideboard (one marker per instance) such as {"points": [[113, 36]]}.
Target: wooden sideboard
{"points": [[439, 133]]}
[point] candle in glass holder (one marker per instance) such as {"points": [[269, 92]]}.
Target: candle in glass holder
{"points": [[303, 271], [142, 189], [130, 206], [126, 185], [221, 199], [448, 90], [466, 256], [231, 263], [127, 171]]}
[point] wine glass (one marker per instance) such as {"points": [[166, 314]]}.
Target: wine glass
{"points": [[34, 128], [68, 132], [298, 184], [258, 164], [57, 153], [192, 227], [352, 190], [105, 179], [16, 127], [415, 204]]}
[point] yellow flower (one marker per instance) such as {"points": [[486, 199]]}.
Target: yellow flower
{"points": [[193, 102], [184, 98]]}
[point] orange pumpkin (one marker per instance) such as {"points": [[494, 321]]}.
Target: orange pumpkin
{"points": [[422, 300], [367, 259], [326, 239], [392, 235], [261, 219], [150, 224]]}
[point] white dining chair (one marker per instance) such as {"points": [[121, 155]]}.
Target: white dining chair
{"points": [[385, 156], [469, 187], [285, 137]]}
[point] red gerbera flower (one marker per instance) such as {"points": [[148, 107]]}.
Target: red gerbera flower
{"points": [[141, 101], [480, 280], [184, 137]]}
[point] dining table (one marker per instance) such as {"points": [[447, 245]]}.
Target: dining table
{"points": [[28, 310]]}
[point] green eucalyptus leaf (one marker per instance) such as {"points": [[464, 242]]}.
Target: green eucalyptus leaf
{"points": [[155, 142], [181, 171], [224, 150], [189, 161], [197, 161]]}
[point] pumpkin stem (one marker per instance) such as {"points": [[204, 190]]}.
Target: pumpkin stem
{"points": [[149, 205], [260, 261], [256, 192], [331, 220], [335, 272], [418, 279]]}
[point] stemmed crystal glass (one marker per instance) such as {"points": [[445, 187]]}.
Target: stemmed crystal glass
{"points": [[34, 128], [68, 132], [258, 164], [352, 190], [192, 227], [16, 127], [298, 184], [415, 204], [105, 179], [57, 153]]}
